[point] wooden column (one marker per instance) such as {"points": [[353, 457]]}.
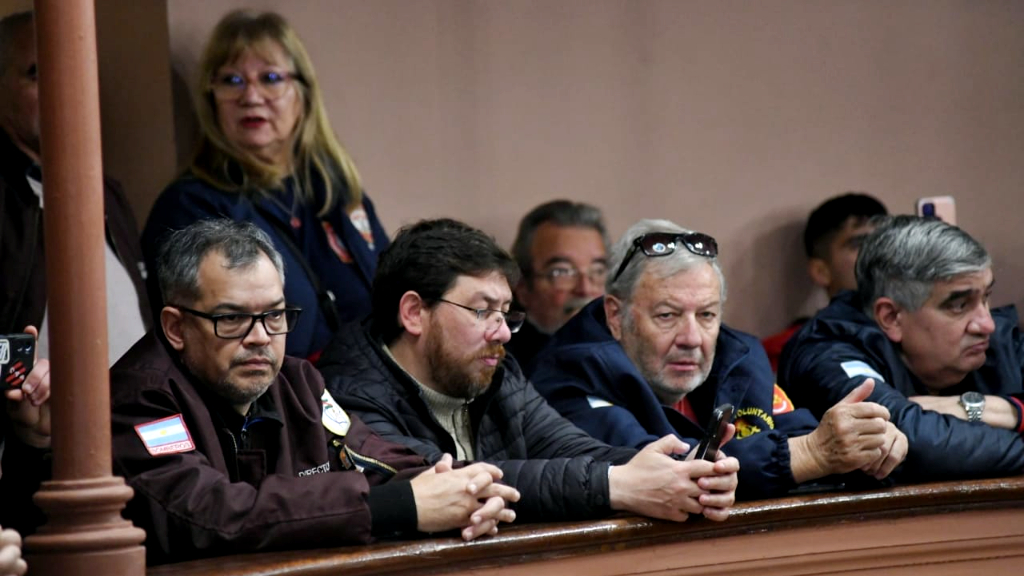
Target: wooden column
{"points": [[84, 533]]}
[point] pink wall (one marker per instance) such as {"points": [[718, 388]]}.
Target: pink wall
{"points": [[732, 117]]}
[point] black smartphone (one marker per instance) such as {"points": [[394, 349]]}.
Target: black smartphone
{"points": [[709, 444], [17, 354]]}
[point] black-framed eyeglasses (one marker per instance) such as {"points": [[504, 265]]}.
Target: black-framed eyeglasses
{"points": [[270, 84], [566, 276], [493, 318], [235, 325], [664, 243]]}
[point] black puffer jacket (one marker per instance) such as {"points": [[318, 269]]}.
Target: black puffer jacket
{"points": [[560, 471]]}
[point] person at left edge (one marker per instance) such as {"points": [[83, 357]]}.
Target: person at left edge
{"points": [[267, 155], [232, 447]]}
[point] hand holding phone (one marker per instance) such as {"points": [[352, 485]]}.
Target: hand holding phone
{"points": [[717, 426], [17, 355]]}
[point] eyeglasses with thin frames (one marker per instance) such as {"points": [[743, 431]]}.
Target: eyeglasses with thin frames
{"points": [[271, 85], [238, 325], [493, 318], [565, 277], [657, 244]]}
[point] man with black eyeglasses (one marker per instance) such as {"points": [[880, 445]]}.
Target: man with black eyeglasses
{"points": [[232, 447], [652, 357], [430, 371], [562, 251]]}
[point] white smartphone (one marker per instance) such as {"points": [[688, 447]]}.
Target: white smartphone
{"points": [[941, 207]]}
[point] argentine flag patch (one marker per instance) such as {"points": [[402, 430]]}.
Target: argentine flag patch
{"points": [[165, 436], [855, 368], [334, 418], [596, 402]]}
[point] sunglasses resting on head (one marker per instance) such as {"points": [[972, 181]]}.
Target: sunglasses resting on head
{"points": [[657, 244]]}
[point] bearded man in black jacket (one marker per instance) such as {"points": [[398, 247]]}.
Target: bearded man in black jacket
{"points": [[429, 371]]}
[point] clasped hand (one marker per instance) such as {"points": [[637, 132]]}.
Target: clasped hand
{"points": [[11, 562], [470, 498], [654, 484]]}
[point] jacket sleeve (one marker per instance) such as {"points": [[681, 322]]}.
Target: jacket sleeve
{"points": [[190, 508], [601, 418], [766, 471], [566, 476], [941, 446], [22, 469]]}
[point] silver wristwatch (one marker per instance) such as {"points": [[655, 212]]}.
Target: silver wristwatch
{"points": [[974, 405]]}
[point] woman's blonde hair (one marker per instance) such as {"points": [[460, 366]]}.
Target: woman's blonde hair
{"points": [[316, 150]]}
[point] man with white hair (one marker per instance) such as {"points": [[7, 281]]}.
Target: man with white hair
{"points": [[948, 368], [653, 357]]}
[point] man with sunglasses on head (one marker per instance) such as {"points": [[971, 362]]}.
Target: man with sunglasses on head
{"points": [[562, 251], [652, 358], [232, 447], [430, 371]]}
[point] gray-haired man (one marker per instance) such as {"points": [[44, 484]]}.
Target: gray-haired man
{"points": [[945, 365]]}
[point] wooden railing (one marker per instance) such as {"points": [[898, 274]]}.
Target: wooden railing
{"points": [[935, 529]]}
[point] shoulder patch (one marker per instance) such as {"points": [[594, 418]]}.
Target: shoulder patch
{"points": [[165, 436], [334, 418], [780, 402], [596, 402], [855, 368], [751, 420]]}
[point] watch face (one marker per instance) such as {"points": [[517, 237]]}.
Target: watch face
{"points": [[972, 398]]}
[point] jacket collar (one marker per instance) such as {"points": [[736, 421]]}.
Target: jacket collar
{"points": [[264, 408]]}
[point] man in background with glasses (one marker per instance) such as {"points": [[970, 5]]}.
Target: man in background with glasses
{"points": [[232, 447], [562, 251], [430, 371], [652, 358]]}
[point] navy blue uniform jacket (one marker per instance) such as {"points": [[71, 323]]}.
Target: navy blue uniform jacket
{"points": [[585, 374], [841, 347], [189, 199]]}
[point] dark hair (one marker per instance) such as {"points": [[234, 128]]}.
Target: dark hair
{"points": [[183, 251], [427, 258], [565, 213], [828, 219]]}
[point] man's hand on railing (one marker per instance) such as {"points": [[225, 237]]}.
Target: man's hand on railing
{"points": [[655, 484], [853, 435], [470, 498], [894, 451]]}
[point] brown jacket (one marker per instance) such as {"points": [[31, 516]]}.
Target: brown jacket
{"points": [[271, 480]]}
